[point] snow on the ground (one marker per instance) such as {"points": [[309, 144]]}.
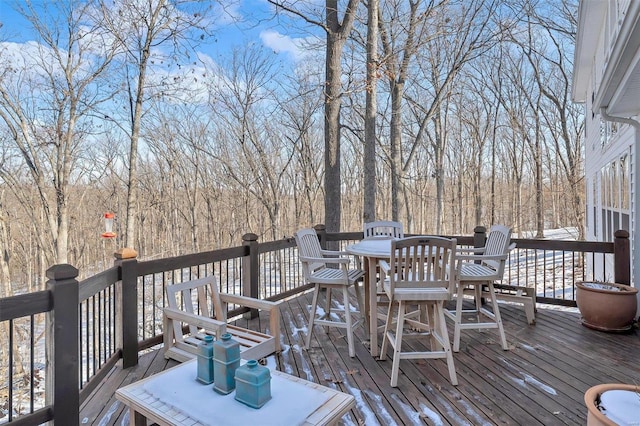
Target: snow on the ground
{"points": [[551, 234]]}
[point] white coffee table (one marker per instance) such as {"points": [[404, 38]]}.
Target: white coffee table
{"points": [[174, 397]]}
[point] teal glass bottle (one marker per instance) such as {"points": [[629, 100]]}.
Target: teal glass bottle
{"points": [[205, 360], [253, 384], [226, 359]]}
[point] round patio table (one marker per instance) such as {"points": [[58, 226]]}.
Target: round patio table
{"points": [[371, 250]]}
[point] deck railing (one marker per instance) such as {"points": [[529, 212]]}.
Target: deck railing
{"points": [[69, 336]]}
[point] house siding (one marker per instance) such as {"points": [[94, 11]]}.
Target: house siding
{"points": [[609, 146]]}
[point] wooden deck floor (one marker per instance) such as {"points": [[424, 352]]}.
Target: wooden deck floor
{"points": [[539, 381]]}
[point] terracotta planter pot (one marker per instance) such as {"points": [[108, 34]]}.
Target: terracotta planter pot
{"points": [[606, 306], [591, 398]]}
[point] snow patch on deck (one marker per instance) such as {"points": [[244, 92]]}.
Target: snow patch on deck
{"points": [[104, 421], [363, 407], [415, 415], [473, 414], [379, 407], [535, 382], [530, 380], [527, 379], [451, 414]]}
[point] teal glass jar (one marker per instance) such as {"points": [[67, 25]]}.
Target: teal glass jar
{"points": [[205, 360], [226, 359], [253, 384]]}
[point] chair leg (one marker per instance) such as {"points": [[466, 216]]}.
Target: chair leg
{"points": [[359, 300], [432, 320], [327, 307], [530, 307], [530, 312], [397, 345], [496, 313], [441, 326], [385, 334], [347, 318], [458, 319], [477, 288], [312, 315]]}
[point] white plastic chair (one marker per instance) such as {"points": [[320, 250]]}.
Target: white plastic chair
{"points": [[316, 267], [420, 271], [482, 267]]}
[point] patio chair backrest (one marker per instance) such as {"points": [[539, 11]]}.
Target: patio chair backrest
{"points": [[383, 228], [309, 246], [497, 244], [200, 297], [422, 262]]}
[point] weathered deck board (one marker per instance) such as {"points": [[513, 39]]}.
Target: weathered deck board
{"points": [[540, 380]]}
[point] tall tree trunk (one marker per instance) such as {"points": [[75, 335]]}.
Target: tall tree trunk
{"points": [[439, 170], [5, 275], [132, 188], [369, 160], [333, 89], [337, 34], [395, 144], [539, 186]]}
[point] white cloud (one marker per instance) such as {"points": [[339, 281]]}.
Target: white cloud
{"points": [[298, 48], [28, 59]]}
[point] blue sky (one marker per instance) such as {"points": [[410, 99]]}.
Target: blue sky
{"points": [[254, 23], [242, 23]]}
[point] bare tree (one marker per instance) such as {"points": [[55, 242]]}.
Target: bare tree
{"points": [[176, 136], [142, 28], [548, 47], [301, 108], [48, 94], [337, 30], [402, 32], [476, 117], [252, 153], [521, 101], [467, 30], [5, 252]]}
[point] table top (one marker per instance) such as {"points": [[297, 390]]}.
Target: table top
{"points": [[175, 397], [372, 247]]}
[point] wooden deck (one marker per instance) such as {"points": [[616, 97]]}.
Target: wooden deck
{"points": [[539, 381]]}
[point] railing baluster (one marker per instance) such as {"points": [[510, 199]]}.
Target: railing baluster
{"points": [[10, 370], [32, 363]]}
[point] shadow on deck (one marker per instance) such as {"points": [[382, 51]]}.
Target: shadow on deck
{"points": [[539, 381]]}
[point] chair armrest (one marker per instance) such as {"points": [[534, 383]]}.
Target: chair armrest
{"points": [[251, 302], [384, 266], [498, 257], [209, 324], [336, 260], [470, 250], [334, 253], [248, 302]]}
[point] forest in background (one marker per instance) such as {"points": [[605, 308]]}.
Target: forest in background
{"points": [[473, 125]]}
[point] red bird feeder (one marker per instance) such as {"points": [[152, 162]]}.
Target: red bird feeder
{"points": [[108, 226]]}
